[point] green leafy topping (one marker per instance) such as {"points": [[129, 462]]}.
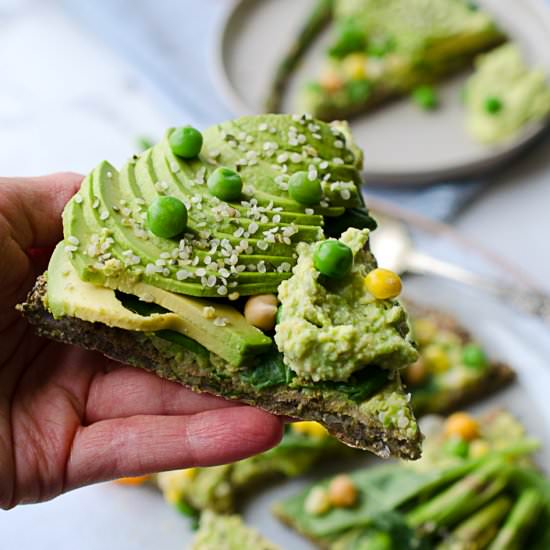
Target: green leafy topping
{"points": [[425, 97], [358, 90], [350, 38], [359, 218], [362, 385], [187, 510], [271, 371]]}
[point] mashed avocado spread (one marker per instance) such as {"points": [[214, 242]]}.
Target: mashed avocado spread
{"points": [[327, 331], [504, 95]]}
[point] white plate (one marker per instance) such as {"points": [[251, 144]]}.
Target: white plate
{"points": [[127, 518], [403, 144]]}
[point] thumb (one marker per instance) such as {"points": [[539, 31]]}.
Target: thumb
{"points": [[32, 207]]}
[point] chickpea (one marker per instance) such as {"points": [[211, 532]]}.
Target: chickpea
{"points": [[310, 428], [462, 425], [479, 448], [331, 82], [261, 310], [436, 358], [342, 492], [383, 284], [355, 66], [138, 480], [416, 373], [317, 502], [424, 331]]}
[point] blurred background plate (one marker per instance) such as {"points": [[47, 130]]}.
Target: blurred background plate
{"points": [[403, 144], [121, 517]]}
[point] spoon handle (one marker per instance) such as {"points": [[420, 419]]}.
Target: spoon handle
{"points": [[529, 300]]}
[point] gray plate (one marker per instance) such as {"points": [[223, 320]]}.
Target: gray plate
{"points": [[127, 518], [403, 144]]}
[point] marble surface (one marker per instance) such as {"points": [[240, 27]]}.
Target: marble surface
{"points": [[66, 101]]}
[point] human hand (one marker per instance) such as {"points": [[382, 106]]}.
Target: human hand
{"points": [[70, 417]]}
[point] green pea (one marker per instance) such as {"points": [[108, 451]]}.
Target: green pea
{"points": [[333, 259], [186, 142], [350, 38], [225, 184], [457, 447], [425, 97], [167, 217], [303, 190], [493, 105], [473, 356]]}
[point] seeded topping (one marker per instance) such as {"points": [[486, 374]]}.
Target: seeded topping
{"points": [[229, 243]]}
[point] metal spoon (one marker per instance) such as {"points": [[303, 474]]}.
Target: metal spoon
{"points": [[394, 249]]}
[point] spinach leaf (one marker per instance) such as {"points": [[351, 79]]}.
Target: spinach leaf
{"points": [[133, 303], [269, 371], [362, 385], [353, 217], [386, 531], [145, 309]]}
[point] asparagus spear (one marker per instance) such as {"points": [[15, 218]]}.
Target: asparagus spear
{"points": [[316, 22], [462, 498], [523, 516], [478, 530]]}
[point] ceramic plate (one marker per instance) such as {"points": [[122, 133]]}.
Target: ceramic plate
{"points": [[403, 144], [112, 516]]}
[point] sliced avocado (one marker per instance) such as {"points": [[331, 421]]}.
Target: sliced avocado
{"points": [[246, 246], [219, 328]]}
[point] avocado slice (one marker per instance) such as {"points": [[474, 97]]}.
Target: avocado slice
{"points": [[245, 247], [224, 331]]}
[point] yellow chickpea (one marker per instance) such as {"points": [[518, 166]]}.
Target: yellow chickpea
{"points": [[355, 66], [311, 428], [317, 502], [383, 284], [436, 359], [462, 425], [416, 373], [138, 480], [479, 448], [331, 81], [424, 331], [342, 492], [260, 311]]}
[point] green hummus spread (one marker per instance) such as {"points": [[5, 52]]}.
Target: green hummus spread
{"points": [[328, 331], [504, 95]]}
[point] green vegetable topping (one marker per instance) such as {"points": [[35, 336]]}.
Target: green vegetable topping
{"points": [[473, 356], [225, 184], [493, 105], [186, 142], [167, 217], [351, 38], [303, 190], [358, 90], [457, 447], [425, 97], [379, 48], [333, 259]]}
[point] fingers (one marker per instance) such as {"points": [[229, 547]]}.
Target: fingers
{"points": [[141, 445], [127, 391], [33, 207]]}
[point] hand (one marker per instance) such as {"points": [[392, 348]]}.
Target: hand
{"points": [[70, 417]]}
